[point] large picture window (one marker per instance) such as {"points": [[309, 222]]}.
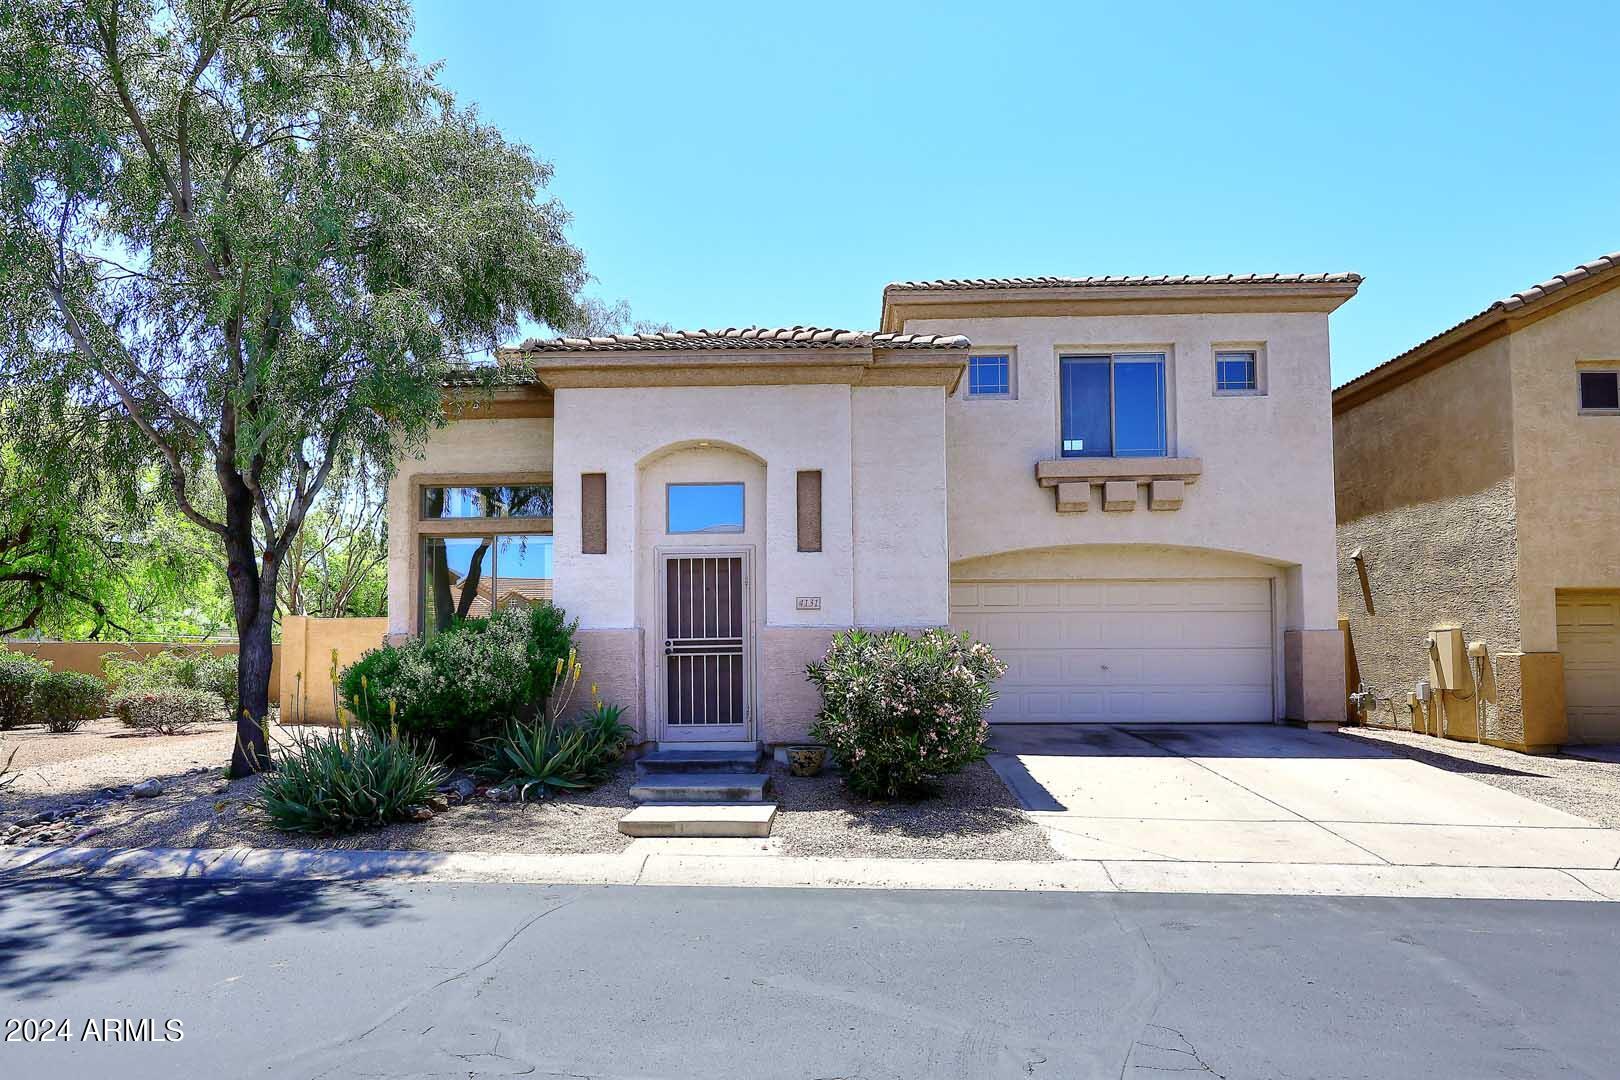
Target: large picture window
{"points": [[482, 547], [1113, 405]]}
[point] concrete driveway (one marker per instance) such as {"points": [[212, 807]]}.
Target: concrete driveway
{"points": [[1271, 794]]}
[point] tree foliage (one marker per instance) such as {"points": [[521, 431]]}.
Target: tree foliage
{"points": [[259, 234]]}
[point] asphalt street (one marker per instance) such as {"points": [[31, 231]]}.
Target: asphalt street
{"points": [[405, 980]]}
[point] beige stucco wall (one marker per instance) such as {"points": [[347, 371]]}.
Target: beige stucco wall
{"points": [[881, 455], [1425, 490], [1568, 465], [307, 648], [1476, 491], [461, 447], [1266, 489], [899, 494]]}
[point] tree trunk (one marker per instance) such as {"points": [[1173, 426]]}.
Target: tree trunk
{"points": [[254, 656], [253, 595]]}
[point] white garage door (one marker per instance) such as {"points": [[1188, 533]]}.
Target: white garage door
{"points": [[1197, 651], [1589, 638]]}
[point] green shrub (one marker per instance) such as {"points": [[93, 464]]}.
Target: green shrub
{"points": [[541, 754], [899, 712], [466, 683], [19, 675], [189, 669], [167, 710], [341, 781], [67, 700]]}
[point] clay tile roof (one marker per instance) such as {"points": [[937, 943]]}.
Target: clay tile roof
{"points": [[745, 338], [1113, 281], [1497, 309]]}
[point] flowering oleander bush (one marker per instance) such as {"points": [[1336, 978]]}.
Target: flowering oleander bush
{"points": [[67, 700], [167, 710], [898, 712], [466, 683], [19, 675]]}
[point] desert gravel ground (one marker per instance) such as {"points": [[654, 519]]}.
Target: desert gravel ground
{"points": [[1588, 789], [105, 753], [975, 816]]}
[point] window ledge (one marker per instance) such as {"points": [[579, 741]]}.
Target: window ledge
{"points": [[1100, 470], [1166, 479]]}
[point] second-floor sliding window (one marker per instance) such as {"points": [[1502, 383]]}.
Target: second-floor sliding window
{"points": [[1113, 405]]}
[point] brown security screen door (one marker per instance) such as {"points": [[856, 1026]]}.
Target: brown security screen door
{"points": [[705, 660]]}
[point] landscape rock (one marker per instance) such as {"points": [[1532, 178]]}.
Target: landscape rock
{"points": [[147, 789], [459, 790], [420, 813], [438, 804], [508, 793]]}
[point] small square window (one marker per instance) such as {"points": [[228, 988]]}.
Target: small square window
{"points": [[990, 375], [1600, 391], [1236, 373]]}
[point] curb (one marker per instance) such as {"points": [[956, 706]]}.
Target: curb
{"points": [[680, 866]]}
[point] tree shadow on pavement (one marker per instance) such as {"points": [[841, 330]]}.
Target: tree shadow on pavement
{"points": [[59, 930]]}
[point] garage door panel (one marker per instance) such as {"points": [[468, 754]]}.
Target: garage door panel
{"points": [[1589, 638], [1122, 651]]}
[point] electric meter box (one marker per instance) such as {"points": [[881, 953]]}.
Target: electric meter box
{"points": [[1448, 659]]}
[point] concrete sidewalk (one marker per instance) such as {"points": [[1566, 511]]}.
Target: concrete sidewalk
{"points": [[653, 863], [1242, 810], [1260, 794]]}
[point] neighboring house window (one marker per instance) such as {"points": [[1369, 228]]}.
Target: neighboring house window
{"points": [[1113, 405], [704, 508], [990, 376], [482, 548], [1237, 372], [1600, 391]]}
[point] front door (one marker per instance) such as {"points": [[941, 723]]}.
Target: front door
{"points": [[705, 684]]}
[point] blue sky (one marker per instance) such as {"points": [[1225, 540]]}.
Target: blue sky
{"points": [[745, 163]]}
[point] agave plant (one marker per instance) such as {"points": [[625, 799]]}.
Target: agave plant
{"points": [[543, 755], [339, 782]]}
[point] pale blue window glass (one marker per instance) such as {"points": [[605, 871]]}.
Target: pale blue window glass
{"points": [[704, 508], [1087, 430]]}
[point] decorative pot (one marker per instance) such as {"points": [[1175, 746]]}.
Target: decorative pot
{"points": [[806, 760]]}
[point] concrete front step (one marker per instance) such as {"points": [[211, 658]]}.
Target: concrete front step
{"points": [[708, 819], [701, 787], [680, 760]]}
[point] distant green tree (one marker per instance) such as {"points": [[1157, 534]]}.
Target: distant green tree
{"points": [[259, 234]]}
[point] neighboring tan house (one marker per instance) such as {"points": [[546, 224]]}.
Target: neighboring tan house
{"points": [[1123, 484], [1478, 482]]}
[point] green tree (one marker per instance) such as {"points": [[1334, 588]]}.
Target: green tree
{"points": [[260, 234], [57, 566]]}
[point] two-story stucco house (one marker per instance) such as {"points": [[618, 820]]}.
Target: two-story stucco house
{"points": [[1479, 501], [1123, 484]]}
